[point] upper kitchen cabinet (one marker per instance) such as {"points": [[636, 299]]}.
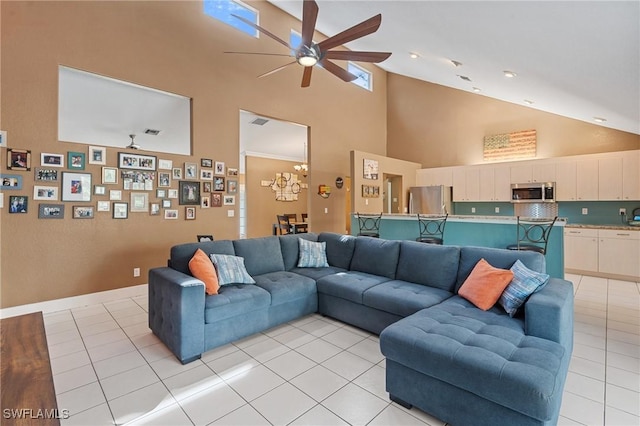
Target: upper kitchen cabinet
{"points": [[435, 176], [587, 179], [543, 171], [494, 184], [466, 184], [610, 179], [631, 176], [566, 181]]}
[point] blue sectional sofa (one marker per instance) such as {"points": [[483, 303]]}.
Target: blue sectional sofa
{"points": [[460, 363]]}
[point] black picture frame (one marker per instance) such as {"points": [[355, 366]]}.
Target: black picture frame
{"points": [[189, 193], [50, 211]]}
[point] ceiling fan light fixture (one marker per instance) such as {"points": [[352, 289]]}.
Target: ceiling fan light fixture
{"points": [[307, 61], [413, 55], [476, 89], [509, 74], [599, 119], [132, 145]]}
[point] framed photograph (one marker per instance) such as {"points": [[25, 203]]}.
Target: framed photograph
{"points": [[232, 186], [164, 179], [127, 160], [189, 193], [219, 169], [218, 184], [97, 155], [232, 172], [109, 175], [206, 174], [190, 213], [190, 171], [205, 201], [115, 195], [370, 169], [99, 190], [50, 211], [19, 159], [120, 210], [216, 200], [45, 193], [229, 200], [104, 206], [166, 204], [75, 160], [206, 162], [165, 164], [161, 193], [176, 172], [11, 181], [18, 204], [46, 174], [76, 186], [154, 209], [127, 184], [51, 160], [172, 193], [171, 214], [139, 202], [206, 187], [83, 212], [3, 139]]}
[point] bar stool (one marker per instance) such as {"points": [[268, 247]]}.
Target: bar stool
{"points": [[533, 234], [432, 229], [369, 224]]}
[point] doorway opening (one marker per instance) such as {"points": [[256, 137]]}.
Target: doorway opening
{"points": [[392, 193]]}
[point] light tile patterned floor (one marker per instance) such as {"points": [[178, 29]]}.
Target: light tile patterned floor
{"points": [[108, 368]]}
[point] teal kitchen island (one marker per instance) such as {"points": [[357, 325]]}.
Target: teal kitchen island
{"points": [[481, 231]]}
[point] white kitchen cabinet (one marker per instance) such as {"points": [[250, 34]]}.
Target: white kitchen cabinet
{"points": [[631, 176], [543, 172], [466, 184], [566, 181], [521, 173], [487, 186], [435, 176], [494, 184], [587, 180], [619, 252], [581, 249], [610, 179]]}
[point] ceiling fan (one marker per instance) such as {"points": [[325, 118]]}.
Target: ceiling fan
{"points": [[310, 54]]}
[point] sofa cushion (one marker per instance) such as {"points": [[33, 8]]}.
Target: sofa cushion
{"points": [[317, 273], [202, 268], [285, 286], [181, 254], [231, 270], [289, 246], [261, 255], [429, 264], [339, 248], [233, 300], [349, 285], [376, 256], [499, 258], [525, 282], [483, 352], [485, 284], [403, 298], [312, 254]]}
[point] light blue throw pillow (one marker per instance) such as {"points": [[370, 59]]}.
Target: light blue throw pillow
{"points": [[312, 254], [231, 269], [525, 282]]}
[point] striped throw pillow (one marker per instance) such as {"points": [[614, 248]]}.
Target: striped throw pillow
{"points": [[231, 269], [525, 282], [312, 254]]}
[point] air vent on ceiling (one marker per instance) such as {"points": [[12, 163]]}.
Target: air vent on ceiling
{"points": [[260, 121], [153, 132]]}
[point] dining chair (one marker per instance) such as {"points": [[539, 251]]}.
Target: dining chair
{"points": [[532, 234], [431, 229], [305, 216], [284, 226], [203, 238], [293, 217], [369, 224]]}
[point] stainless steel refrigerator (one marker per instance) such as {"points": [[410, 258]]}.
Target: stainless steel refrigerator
{"points": [[430, 200]]}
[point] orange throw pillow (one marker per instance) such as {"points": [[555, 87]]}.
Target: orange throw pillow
{"points": [[202, 268], [485, 284]]}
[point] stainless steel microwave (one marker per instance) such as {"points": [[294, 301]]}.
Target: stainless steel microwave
{"points": [[537, 192]]}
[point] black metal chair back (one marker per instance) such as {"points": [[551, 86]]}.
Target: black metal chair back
{"points": [[284, 227], [369, 224], [533, 234], [432, 229], [203, 238]]}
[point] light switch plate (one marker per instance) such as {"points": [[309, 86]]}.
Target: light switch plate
{"points": [[231, 213]]}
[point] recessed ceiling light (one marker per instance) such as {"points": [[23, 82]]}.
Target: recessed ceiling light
{"points": [[477, 89], [509, 74], [528, 102], [414, 55], [599, 119], [456, 63], [464, 77]]}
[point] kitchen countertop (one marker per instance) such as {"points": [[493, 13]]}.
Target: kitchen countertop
{"points": [[620, 227], [469, 218]]}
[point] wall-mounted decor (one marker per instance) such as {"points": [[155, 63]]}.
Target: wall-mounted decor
{"points": [[190, 213], [3, 139], [189, 193], [155, 209], [370, 191], [139, 202], [232, 186], [324, 191], [229, 200], [206, 187], [219, 169], [171, 214], [115, 195], [161, 193], [52, 160], [11, 181], [176, 173], [165, 164], [104, 206], [97, 155], [46, 174], [45, 193], [19, 160], [206, 174], [76, 186], [83, 212], [109, 175], [190, 171], [51, 211], [232, 171], [99, 190], [166, 204], [205, 201], [120, 210], [18, 204], [218, 184], [510, 146], [216, 200], [164, 179], [286, 185], [370, 169], [138, 180], [172, 193], [136, 161], [339, 182], [206, 162], [75, 160]]}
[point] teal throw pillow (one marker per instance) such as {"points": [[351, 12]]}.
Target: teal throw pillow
{"points": [[312, 254], [525, 282], [231, 269]]}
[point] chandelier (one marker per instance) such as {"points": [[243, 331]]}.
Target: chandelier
{"points": [[304, 167]]}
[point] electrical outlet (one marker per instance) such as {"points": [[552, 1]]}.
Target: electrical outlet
{"points": [[136, 272], [497, 209], [473, 209], [326, 210], [623, 212], [585, 210]]}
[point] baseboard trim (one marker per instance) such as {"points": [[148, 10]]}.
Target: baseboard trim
{"points": [[75, 301]]}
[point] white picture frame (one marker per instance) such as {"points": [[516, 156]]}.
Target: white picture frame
{"points": [[76, 186], [103, 206], [51, 160], [229, 200], [139, 202], [165, 164], [219, 168], [3, 139], [109, 175], [115, 195], [41, 192], [98, 155]]}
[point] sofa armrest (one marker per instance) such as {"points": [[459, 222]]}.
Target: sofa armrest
{"points": [[549, 313], [176, 312]]}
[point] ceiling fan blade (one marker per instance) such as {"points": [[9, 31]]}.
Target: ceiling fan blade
{"points": [[260, 53], [262, 30], [276, 70], [341, 73], [349, 55], [362, 29], [309, 16], [306, 76]]}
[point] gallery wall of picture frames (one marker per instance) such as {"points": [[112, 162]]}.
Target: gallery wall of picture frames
{"points": [[87, 185]]}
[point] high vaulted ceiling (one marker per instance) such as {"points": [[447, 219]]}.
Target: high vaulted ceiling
{"points": [[579, 59]]}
